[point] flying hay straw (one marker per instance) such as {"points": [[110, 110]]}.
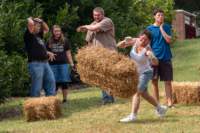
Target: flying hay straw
{"points": [[107, 69]]}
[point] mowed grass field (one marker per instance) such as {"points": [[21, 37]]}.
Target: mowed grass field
{"points": [[85, 114]]}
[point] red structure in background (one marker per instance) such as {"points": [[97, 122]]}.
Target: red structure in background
{"points": [[184, 25]]}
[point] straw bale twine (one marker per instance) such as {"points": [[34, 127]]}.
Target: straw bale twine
{"points": [[107, 69], [186, 92], [42, 108]]}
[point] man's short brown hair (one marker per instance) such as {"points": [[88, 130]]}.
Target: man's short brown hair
{"points": [[155, 11], [99, 9]]}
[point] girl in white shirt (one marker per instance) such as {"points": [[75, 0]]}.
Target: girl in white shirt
{"points": [[141, 53]]}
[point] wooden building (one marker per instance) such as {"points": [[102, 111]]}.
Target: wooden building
{"points": [[184, 25]]}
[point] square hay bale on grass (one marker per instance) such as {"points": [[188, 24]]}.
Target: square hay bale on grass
{"points": [[42, 108], [186, 92]]}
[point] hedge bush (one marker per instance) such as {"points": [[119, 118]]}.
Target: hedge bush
{"points": [[14, 78], [4, 77]]}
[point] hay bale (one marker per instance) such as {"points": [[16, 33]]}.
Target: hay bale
{"points": [[42, 108], [109, 70], [186, 92]]}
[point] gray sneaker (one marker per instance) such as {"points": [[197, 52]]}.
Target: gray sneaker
{"points": [[161, 110]]}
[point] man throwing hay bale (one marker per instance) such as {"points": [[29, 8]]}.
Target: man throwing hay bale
{"points": [[43, 108], [101, 32], [109, 70]]}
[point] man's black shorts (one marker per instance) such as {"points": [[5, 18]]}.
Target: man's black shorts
{"points": [[164, 71]]}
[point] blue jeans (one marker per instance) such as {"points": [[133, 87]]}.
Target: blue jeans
{"points": [[41, 77], [106, 97], [144, 79]]}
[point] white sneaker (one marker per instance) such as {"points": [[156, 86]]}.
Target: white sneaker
{"points": [[161, 110], [129, 118]]}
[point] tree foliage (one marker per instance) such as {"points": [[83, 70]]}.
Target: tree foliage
{"points": [[14, 78], [129, 17], [13, 18]]}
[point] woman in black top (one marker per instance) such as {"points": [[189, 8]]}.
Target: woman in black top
{"points": [[60, 46]]}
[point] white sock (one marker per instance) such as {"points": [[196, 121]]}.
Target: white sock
{"points": [[133, 114]]}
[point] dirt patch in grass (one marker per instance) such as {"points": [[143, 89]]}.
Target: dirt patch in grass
{"points": [[10, 113]]}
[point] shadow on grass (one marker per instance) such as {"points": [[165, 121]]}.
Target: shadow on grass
{"points": [[81, 104], [10, 112], [13, 109], [150, 121]]}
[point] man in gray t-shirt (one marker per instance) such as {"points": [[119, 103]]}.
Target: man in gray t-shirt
{"points": [[100, 32]]}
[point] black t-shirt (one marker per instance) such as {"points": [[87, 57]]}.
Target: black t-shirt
{"points": [[35, 47], [60, 50]]}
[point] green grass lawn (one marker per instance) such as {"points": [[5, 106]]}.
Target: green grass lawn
{"points": [[187, 60], [85, 114]]}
